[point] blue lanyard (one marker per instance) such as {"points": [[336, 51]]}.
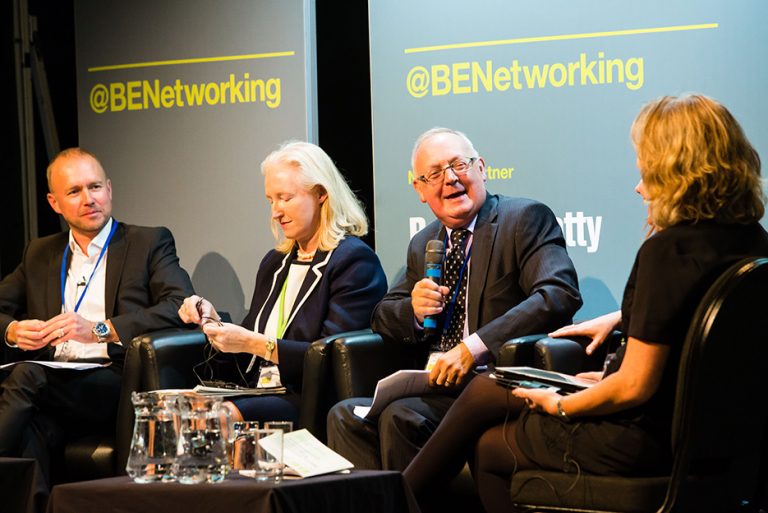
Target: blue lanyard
{"points": [[449, 311], [64, 267]]}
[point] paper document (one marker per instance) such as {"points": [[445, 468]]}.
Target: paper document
{"points": [[238, 391], [304, 454], [403, 383], [61, 365]]}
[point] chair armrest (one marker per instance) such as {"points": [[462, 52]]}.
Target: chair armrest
{"points": [[360, 362], [559, 355], [318, 391], [168, 357], [518, 351], [568, 355]]}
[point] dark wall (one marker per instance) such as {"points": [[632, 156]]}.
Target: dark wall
{"points": [[344, 94], [344, 106], [55, 40], [10, 192]]}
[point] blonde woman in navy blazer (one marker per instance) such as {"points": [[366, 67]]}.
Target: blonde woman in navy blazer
{"points": [[320, 279]]}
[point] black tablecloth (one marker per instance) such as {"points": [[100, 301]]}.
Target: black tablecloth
{"points": [[22, 486], [359, 491]]}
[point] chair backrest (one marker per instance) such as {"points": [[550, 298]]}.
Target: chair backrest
{"points": [[318, 392], [721, 415]]}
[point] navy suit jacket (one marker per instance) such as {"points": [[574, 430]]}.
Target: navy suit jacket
{"points": [[521, 279], [338, 294], [143, 291]]}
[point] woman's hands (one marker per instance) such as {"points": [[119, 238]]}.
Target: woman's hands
{"points": [[231, 338], [596, 329], [539, 399], [198, 310], [593, 376], [223, 336]]}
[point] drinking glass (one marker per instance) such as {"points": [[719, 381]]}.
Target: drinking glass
{"points": [[251, 457]]}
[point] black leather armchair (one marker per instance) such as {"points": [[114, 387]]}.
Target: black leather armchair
{"points": [[99, 456], [162, 359], [720, 427], [360, 362], [319, 390], [563, 355], [165, 360]]}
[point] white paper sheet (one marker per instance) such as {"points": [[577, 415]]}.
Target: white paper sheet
{"points": [[233, 392], [304, 454], [60, 365], [403, 383]]}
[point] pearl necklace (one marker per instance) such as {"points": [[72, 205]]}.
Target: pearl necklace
{"points": [[305, 255]]}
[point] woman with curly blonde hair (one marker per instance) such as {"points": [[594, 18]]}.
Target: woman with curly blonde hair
{"points": [[696, 163], [700, 178]]}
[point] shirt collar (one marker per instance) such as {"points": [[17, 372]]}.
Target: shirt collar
{"points": [[96, 244]]}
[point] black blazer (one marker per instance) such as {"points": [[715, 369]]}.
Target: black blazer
{"points": [[338, 294], [521, 279], [144, 285]]}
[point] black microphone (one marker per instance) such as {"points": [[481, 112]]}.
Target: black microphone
{"points": [[433, 269]]}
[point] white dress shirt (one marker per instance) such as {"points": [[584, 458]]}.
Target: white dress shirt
{"points": [[92, 307], [296, 274]]}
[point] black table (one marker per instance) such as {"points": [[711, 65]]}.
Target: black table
{"points": [[358, 491], [22, 486]]}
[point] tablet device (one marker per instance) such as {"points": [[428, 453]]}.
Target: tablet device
{"points": [[529, 377]]}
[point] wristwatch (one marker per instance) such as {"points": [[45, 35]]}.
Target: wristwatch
{"points": [[102, 331], [271, 344], [561, 411]]}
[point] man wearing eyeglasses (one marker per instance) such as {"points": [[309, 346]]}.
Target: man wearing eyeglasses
{"points": [[79, 296], [506, 274]]}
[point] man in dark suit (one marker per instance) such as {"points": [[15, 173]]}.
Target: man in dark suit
{"points": [[79, 296], [508, 274]]}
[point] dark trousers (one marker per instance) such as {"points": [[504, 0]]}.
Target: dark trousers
{"points": [[473, 430], [264, 408], [391, 441], [41, 407]]}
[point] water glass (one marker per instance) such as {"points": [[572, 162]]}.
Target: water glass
{"points": [[239, 428], [251, 457], [286, 426]]}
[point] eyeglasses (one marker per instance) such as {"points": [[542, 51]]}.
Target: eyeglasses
{"points": [[205, 319], [206, 368], [460, 167]]}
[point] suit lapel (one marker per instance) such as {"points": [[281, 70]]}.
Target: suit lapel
{"points": [[278, 277], [483, 239], [116, 252], [441, 235]]}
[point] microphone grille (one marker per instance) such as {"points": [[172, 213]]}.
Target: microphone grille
{"points": [[435, 252]]}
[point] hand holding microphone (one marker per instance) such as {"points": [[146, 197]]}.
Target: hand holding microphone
{"points": [[427, 295]]}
